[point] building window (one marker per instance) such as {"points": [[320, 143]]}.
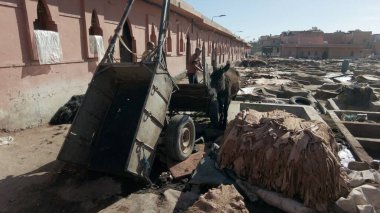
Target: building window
{"points": [[181, 44], [209, 46], [188, 48], [169, 42], [153, 37], [126, 47], [198, 41], [220, 54], [180, 41], [44, 20]]}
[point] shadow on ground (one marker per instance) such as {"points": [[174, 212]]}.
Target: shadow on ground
{"points": [[56, 187]]}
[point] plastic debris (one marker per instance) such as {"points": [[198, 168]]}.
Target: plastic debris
{"points": [[6, 140]]}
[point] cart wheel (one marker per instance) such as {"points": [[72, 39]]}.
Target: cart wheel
{"points": [[180, 137]]}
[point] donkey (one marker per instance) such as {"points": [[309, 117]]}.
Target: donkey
{"points": [[225, 84]]}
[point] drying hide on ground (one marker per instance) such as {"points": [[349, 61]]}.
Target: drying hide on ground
{"points": [[278, 151]]}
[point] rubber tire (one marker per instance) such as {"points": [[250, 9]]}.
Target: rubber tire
{"points": [[174, 136], [299, 100]]}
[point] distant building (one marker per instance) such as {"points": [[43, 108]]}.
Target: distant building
{"points": [[270, 45], [315, 44], [376, 44], [302, 37]]}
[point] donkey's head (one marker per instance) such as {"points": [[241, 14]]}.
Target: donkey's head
{"points": [[218, 79]]}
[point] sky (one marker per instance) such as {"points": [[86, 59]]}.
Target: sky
{"points": [[264, 17]]}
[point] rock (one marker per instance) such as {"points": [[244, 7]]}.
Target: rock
{"points": [[225, 198], [358, 166], [357, 178], [365, 196], [375, 165], [169, 201]]}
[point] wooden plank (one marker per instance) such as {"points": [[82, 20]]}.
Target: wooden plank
{"points": [[356, 147], [185, 168]]}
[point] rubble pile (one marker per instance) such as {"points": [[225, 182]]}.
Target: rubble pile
{"points": [[253, 63], [359, 95], [67, 112], [280, 152]]}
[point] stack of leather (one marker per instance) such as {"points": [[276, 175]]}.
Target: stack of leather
{"points": [[278, 151]]}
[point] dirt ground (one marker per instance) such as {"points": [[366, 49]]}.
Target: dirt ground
{"points": [[32, 180]]}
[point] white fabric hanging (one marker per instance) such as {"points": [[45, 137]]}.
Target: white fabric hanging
{"points": [[48, 46], [96, 46]]}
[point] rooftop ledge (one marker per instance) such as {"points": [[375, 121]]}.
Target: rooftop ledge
{"points": [[187, 10]]}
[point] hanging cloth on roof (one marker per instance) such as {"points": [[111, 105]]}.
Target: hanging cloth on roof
{"points": [[97, 46]]}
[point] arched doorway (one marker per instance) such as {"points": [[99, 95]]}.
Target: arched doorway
{"points": [[44, 20], [126, 55], [213, 56], [95, 28]]}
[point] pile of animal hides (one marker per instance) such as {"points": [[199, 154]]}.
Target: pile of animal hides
{"points": [[278, 151]]}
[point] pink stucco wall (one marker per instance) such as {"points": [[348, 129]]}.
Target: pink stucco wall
{"points": [[377, 48], [303, 37], [31, 93], [316, 52]]}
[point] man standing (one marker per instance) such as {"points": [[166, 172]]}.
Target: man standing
{"points": [[149, 49], [194, 66]]}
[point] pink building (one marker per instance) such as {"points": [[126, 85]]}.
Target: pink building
{"points": [[270, 43], [302, 37], [357, 37], [315, 44], [50, 48], [338, 38]]}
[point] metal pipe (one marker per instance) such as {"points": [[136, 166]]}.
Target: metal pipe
{"points": [[163, 28], [111, 46]]}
